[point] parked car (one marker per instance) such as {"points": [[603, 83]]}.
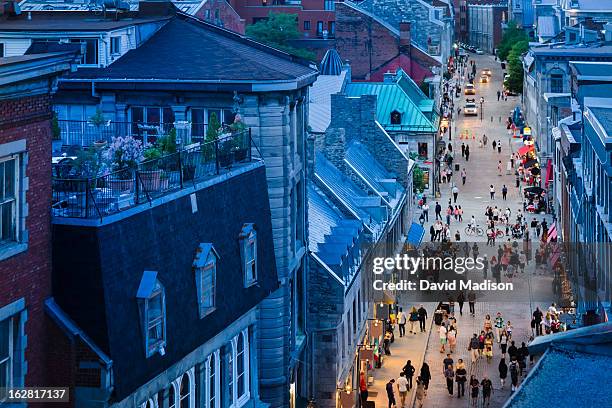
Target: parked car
{"points": [[479, 51], [470, 108], [469, 89]]}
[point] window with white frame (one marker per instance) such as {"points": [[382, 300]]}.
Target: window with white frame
{"points": [[172, 396], [9, 200], [7, 353], [236, 373], [115, 45], [205, 268], [213, 381], [185, 392], [152, 308], [248, 252]]}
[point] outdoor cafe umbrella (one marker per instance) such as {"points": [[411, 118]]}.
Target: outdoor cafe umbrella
{"points": [[530, 163], [534, 190]]}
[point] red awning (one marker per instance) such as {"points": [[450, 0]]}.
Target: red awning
{"points": [[549, 174], [525, 149]]}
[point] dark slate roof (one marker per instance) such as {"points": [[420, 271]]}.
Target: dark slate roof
{"points": [[98, 272], [592, 69], [331, 64], [604, 117], [187, 49], [68, 22]]}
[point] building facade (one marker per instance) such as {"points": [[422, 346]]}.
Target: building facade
{"points": [[25, 239], [485, 24]]}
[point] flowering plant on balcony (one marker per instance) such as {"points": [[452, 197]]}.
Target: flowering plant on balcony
{"points": [[124, 154]]}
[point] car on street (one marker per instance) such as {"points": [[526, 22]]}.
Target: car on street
{"points": [[470, 108], [487, 72], [484, 79], [479, 51], [469, 89]]}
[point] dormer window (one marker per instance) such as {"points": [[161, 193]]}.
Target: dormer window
{"points": [[152, 307], [205, 268], [396, 118], [248, 253]]}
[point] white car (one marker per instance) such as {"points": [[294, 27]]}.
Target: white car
{"points": [[479, 51], [470, 108]]}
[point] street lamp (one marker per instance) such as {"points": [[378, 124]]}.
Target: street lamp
{"points": [[481, 102]]}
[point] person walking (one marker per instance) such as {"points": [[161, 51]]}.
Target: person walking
{"points": [[425, 209], [442, 334], [504, 192], [503, 342], [432, 232], [402, 388], [463, 175], [422, 318], [452, 338], [461, 300], [472, 302], [503, 371], [537, 321], [455, 193], [498, 95], [514, 373], [449, 374], [408, 372], [460, 378], [391, 393], [499, 147], [492, 192], [363, 388], [467, 153], [473, 348], [474, 390], [462, 149], [413, 318], [487, 387], [401, 322], [494, 145], [484, 139], [425, 376], [420, 392], [499, 168], [499, 326], [438, 210]]}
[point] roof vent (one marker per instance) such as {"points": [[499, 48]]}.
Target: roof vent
{"points": [[331, 64]]}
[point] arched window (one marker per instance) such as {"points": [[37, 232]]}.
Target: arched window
{"points": [[240, 366], [171, 397], [396, 118], [185, 391]]}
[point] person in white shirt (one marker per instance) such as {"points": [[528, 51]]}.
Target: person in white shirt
{"points": [[401, 321], [443, 339], [552, 309], [402, 388]]}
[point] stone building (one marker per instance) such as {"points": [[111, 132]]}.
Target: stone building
{"points": [[217, 78], [360, 207], [485, 20], [26, 84]]}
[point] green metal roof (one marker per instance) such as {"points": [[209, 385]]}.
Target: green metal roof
{"points": [[393, 96]]}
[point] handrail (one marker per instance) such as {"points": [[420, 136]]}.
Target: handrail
{"points": [[111, 193]]}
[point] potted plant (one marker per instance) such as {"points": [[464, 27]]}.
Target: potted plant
{"points": [[98, 120], [150, 172], [123, 154], [56, 134]]}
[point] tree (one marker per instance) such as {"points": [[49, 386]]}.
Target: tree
{"points": [[515, 66], [213, 128], [510, 37], [277, 31], [418, 179]]}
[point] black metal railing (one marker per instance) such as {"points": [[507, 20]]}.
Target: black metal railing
{"points": [[87, 133], [77, 197]]}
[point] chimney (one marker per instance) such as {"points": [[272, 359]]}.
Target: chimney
{"points": [[388, 77], [404, 28]]}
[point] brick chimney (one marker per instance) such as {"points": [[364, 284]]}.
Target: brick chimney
{"points": [[405, 36]]}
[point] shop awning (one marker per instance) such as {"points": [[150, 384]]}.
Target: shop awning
{"points": [[525, 149], [530, 163], [549, 173], [415, 234]]}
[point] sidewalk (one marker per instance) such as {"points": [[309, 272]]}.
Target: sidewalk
{"points": [[410, 347]]}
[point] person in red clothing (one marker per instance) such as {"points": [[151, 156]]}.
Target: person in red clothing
{"points": [[363, 388]]}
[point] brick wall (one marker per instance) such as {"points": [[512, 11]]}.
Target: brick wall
{"points": [[28, 274], [366, 43], [227, 15]]}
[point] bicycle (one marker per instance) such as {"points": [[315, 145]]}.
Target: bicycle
{"points": [[474, 230], [499, 233]]}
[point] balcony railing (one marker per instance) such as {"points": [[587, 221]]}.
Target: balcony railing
{"points": [[97, 197], [86, 133]]}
